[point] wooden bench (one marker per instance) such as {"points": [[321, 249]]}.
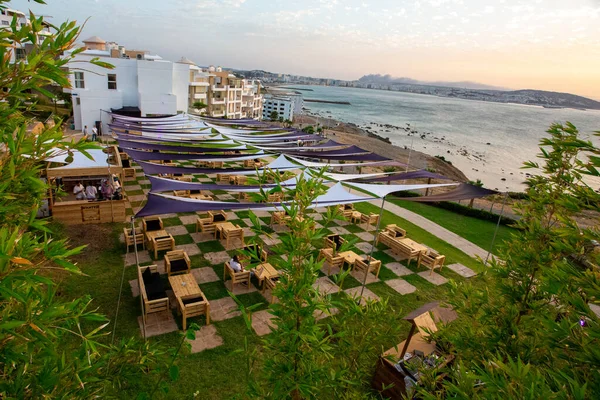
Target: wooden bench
{"points": [[334, 241], [152, 292]]}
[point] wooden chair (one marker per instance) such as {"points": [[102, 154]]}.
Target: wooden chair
{"points": [[131, 241], [230, 235], [150, 224], [236, 277], [153, 296], [193, 306], [129, 172], [278, 217], [249, 164], [270, 284], [369, 220], [433, 260], [332, 261], [240, 179], [215, 164], [373, 266], [181, 193], [205, 225], [396, 231], [346, 210], [245, 196], [334, 241], [259, 254], [184, 178], [177, 262], [162, 243], [274, 197], [218, 216]]}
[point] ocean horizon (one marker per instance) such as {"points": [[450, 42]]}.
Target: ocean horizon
{"points": [[487, 141]]}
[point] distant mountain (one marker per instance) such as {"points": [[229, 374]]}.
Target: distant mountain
{"points": [[390, 80]]}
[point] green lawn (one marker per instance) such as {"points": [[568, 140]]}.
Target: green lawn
{"points": [[475, 230]]}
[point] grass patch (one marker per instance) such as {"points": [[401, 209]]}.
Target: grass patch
{"points": [[453, 255], [475, 230], [211, 247], [214, 290], [354, 228], [183, 239]]}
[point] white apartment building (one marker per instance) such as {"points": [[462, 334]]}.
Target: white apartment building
{"points": [[225, 95], [21, 50], [283, 105], [145, 84]]}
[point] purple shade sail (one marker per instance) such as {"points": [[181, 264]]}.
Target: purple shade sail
{"points": [[149, 155], [159, 184], [151, 168], [132, 144], [463, 192]]}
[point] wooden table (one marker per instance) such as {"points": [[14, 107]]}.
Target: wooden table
{"points": [[355, 217], [154, 234], [413, 244], [265, 271], [185, 285], [224, 226], [350, 257]]}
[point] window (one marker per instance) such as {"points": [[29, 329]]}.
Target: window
{"points": [[79, 82], [5, 23], [112, 81], [78, 101], [20, 54]]}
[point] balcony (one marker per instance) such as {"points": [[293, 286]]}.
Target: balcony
{"points": [[199, 83], [216, 100], [218, 113], [219, 88], [200, 96]]}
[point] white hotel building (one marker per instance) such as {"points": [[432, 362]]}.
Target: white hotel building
{"points": [[286, 106], [146, 85]]}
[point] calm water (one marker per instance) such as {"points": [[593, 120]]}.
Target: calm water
{"points": [[460, 130]]}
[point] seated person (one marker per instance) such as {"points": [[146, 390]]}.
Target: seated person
{"points": [[116, 183], [90, 191], [235, 264], [79, 191]]}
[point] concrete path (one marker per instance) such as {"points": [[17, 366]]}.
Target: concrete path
{"points": [[433, 228]]}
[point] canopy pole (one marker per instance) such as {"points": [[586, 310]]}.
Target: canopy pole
{"points": [[497, 227], [372, 246]]}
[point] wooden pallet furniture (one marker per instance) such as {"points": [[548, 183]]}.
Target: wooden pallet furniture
{"points": [[258, 254], [153, 296], [133, 240], [369, 220], [150, 224], [177, 262], [388, 380], [242, 277], [365, 267], [432, 260], [181, 193], [346, 210], [205, 225], [229, 232], [264, 272], [334, 241], [333, 261], [190, 299], [217, 216]]}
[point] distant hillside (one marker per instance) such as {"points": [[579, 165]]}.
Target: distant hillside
{"points": [[479, 92], [390, 80]]}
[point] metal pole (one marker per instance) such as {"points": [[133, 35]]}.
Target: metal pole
{"points": [[496, 231], [372, 247]]}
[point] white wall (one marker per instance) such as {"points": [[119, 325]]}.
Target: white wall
{"points": [[284, 108], [181, 84]]}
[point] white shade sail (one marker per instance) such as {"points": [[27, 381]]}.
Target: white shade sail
{"points": [[383, 190]]}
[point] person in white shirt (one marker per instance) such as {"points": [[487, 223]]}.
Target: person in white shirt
{"points": [[78, 191], [94, 133], [235, 264], [90, 191]]}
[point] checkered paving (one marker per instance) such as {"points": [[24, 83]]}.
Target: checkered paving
{"points": [[208, 255]]}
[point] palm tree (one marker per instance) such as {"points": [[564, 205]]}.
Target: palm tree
{"points": [[199, 105], [274, 116]]}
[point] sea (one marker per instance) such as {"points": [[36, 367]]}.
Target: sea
{"points": [[487, 141]]}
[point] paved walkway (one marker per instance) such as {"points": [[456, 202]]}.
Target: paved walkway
{"points": [[439, 231]]}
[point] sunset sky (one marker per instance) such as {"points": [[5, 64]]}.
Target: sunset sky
{"points": [[536, 44]]}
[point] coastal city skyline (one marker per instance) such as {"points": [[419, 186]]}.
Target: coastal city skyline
{"points": [[547, 45]]}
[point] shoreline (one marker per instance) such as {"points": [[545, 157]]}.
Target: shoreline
{"points": [[349, 133]]}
